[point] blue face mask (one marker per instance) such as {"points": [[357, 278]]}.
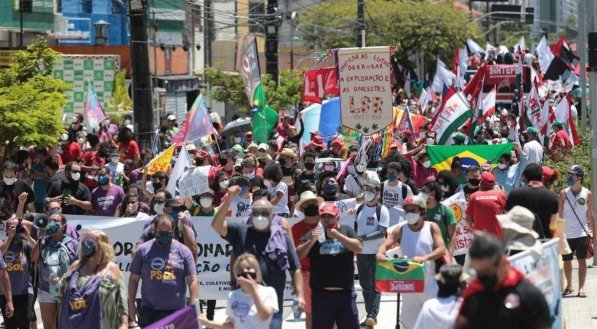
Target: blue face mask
{"points": [[392, 177], [243, 190], [88, 247], [103, 179], [164, 238], [52, 228], [571, 181]]}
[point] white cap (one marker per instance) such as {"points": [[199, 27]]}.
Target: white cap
{"points": [[171, 117], [131, 127]]}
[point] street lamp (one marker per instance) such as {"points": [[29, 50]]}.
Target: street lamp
{"points": [[101, 32]]}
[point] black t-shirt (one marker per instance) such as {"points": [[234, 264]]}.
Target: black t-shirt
{"points": [[78, 190], [332, 264], [303, 179], [11, 192], [522, 306], [541, 201], [468, 190], [244, 238]]}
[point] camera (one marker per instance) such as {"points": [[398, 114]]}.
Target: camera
{"points": [[20, 228], [41, 221]]}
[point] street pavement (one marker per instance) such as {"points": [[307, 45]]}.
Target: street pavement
{"points": [[579, 313]]}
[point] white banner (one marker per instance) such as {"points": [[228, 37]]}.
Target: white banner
{"points": [[365, 88], [194, 181], [213, 262], [544, 272], [463, 236]]}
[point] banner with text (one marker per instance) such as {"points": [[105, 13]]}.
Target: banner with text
{"points": [[318, 83], [365, 88]]}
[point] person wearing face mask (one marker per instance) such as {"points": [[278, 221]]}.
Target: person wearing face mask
{"points": [[54, 252], [132, 206], [438, 212], [484, 206], [473, 179], [508, 173], [220, 187], [97, 280], [271, 245], [107, 196], [202, 204], [420, 241], [165, 267], [420, 164], [116, 167], [309, 206], [448, 183], [329, 189], [500, 296], [91, 161], [307, 175], [253, 304], [71, 150], [575, 206], [357, 174], [227, 159], [11, 187], [277, 189], [252, 173], [456, 169], [128, 146], [73, 195], [159, 180], [532, 148], [240, 208], [394, 191], [372, 220]]}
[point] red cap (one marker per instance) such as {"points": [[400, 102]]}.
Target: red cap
{"points": [[338, 143], [328, 209], [201, 154], [547, 172], [487, 178]]}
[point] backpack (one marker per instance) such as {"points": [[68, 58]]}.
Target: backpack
{"points": [[360, 208], [55, 258]]}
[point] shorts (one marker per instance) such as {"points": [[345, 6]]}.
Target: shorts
{"points": [[307, 292], [578, 246], [46, 297]]}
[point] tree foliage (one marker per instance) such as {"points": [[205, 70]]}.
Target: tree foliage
{"points": [[433, 28], [230, 88], [31, 100]]}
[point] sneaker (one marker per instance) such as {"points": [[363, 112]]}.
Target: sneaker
{"points": [[370, 322]]}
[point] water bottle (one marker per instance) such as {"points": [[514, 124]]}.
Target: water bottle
{"points": [[321, 237], [296, 310], [55, 285]]}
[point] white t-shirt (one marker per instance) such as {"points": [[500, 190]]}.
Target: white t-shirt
{"points": [[367, 223], [242, 310], [352, 186], [240, 208], [392, 195], [282, 206], [438, 313], [116, 170], [534, 151]]}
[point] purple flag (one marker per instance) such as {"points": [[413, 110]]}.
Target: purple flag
{"points": [[185, 318], [93, 110]]}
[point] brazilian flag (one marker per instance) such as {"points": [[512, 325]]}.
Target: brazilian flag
{"points": [[399, 275], [264, 118], [470, 155]]}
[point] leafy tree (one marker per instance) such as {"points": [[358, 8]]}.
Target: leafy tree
{"points": [[31, 100], [230, 88], [433, 28]]}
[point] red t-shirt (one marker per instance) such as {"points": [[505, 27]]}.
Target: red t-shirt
{"points": [[561, 137], [90, 159], [128, 150], [299, 230], [71, 152], [483, 206]]}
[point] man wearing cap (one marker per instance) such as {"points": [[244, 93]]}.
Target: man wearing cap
{"points": [[287, 160], [441, 312], [332, 270], [484, 205], [561, 142], [308, 204], [420, 241], [371, 221], [500, 296], [532, 148], [575, 206]]}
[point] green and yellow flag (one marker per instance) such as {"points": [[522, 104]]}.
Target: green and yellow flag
{"points": [[470, 155], [264, 119], [399, 275]]}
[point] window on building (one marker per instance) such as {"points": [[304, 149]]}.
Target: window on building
{"points": [[87, 6], [25, 6]]}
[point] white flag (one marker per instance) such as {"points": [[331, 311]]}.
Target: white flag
{"points": [[183, 162], [544, 55]]}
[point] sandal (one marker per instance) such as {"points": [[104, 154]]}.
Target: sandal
{"points": [[567, 291], [581, 294]]}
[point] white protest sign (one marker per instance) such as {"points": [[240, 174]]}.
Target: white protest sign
{"points": [[194, 181], [463, 235], [365, 88]]}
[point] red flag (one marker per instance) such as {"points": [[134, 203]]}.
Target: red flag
{"points": [[475, 86], [318, 83]]}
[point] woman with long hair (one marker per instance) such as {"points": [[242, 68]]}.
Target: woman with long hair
{"points": [[93, 291], [253, 304]]}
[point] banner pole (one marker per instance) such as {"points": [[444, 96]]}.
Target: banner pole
{"points": [[398, 311]]}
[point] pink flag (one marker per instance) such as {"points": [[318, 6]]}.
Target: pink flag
{"points": [[94, 112], [196, 125]]}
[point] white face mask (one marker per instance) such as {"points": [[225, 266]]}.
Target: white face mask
{"points": [[237, 140], [329, 168], [445, 188], [360, 168], [81, 140], [423, 195], [267, 183], [158, 208], [250, 175], [411, 218], [426, 163], [206, 202], [502, 166], [114, 159], [224, 183], [10, 181], [430, 141], [369, 196], [422, 134], [75, 176], [260, 222]]}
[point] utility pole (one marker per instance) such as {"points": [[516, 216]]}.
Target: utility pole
{"points": [[142, 88], [207, 32], [21, 22], [582, 51], [271, 40], [360, 35], [592, 9]]}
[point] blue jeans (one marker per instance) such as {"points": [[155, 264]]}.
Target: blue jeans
{"points": [[366, 267], [276, 322]]}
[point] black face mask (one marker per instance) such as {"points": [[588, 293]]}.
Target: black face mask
{"points": [[157, 186], [329, 197], [488, 281], [309, 165], [474, 181], [223, 161], [311, 210]]}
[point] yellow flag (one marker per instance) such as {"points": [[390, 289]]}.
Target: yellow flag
{"points": [[161, 162]]}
